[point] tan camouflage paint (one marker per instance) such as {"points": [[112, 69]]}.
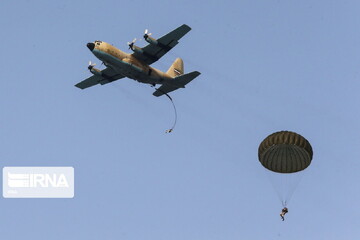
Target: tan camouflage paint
{"points": [[126, 57]]}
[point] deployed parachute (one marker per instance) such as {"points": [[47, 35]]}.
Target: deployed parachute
{"points": [[285, 154]]}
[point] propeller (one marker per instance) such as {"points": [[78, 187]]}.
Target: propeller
{"points": [[91, 65], [147, 34], [131, 44]]}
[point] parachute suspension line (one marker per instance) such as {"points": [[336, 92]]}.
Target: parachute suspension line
{"points": [[277, 184], [284, 184], [293, 184], [175, 113]]}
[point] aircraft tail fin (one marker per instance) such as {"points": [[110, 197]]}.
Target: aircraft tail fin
{"points": [[177, 68]]}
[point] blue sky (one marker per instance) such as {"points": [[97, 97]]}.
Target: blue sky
{"points": [[266, 66]]}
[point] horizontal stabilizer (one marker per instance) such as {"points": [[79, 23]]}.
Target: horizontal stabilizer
{"points": [[175, 83]]}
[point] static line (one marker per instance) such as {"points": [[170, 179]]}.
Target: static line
{"points": [[175, 112]]}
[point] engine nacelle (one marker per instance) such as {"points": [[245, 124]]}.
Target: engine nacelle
{"points": [[136, 49], [95, 71], [150, 40]]}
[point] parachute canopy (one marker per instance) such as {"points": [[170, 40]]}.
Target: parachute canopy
{"points": [[285, 152]]}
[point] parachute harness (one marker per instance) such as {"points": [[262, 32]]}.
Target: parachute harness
{"points": [[175, 113]]}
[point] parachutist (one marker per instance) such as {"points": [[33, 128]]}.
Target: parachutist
{"points": [[283, 212]]}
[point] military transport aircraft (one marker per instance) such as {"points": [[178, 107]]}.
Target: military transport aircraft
{"points": [[136, 65]]}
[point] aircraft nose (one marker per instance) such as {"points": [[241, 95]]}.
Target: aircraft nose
{"points": [[91, 46]]}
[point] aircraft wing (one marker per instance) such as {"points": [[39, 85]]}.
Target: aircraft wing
{"points": [[177, 82], [107, 75], [151, 53]]}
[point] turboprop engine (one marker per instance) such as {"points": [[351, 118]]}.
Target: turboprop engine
{"points": [[133, 47], [93, 70], [149, 39]]}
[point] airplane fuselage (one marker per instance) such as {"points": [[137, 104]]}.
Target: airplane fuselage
{"points": [[126, 64], [136, 65]]}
